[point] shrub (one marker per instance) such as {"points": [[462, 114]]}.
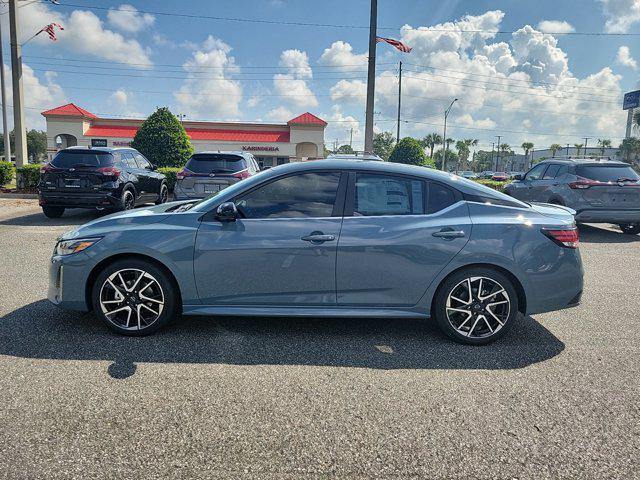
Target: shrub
{"points": [[429, 163], [170, 173], [409, 151], [28, 176], [6, 172], [499, 186], [163, 140]]}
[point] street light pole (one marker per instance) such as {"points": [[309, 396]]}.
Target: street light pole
{"points": [[5, 125], [371, 78], [444, 138], [586, 141]]}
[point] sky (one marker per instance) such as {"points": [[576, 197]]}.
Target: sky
{"points": [[522, 70]]}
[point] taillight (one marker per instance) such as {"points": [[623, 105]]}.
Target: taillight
{"points": [[183, 173], [109, 172], [47, 168], [584, 183], [242, 174], [566, 238]]}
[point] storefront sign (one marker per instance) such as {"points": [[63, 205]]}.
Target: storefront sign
{"points": [[631, 100], [119, 143], [259, 148], [98, 142]]}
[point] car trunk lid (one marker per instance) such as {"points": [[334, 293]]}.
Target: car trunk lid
{"points": [[78, 171], [608, 186]]}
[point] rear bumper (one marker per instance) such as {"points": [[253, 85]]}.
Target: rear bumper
{"points": [[608, 216], [79, 199]]}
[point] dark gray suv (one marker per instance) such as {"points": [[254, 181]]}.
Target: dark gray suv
{"points": [[599, 191]]}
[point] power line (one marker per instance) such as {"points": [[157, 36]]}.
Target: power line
{"points": [[334, 25]]}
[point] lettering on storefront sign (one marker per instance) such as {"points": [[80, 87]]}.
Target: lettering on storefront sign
{"points": [[98, 142], [260, 148], [120, 143]]}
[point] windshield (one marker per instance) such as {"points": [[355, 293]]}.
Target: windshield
{"points": [[215, 163], [82, 159], [607, 173]]}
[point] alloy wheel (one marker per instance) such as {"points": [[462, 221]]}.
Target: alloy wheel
{"points": [[128, 200], [164, 194], [478, 307], [131, 299]]}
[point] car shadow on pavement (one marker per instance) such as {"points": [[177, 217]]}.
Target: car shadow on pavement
{"points": [[42, 331], [594, 234], [74, 217]]}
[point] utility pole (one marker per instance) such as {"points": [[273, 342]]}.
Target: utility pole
{"points": [[567, 149], [493, 156], [399, 100], [498, 156], [18, 91], [371, 78], [5, 125], [351, 138], [444, 138], [586, 141]]}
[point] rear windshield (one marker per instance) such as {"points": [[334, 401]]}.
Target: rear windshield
{"points": [[215, 163], [607, 173], [82, 159]]}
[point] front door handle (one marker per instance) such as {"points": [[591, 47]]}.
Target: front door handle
{"points": [[318, 237], [449, 234]]}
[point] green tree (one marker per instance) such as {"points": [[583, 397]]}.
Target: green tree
{"points": [[464, 149], [604, 143], [431, 141], [636, 120], [383, 143], [452, 158], [578, 147], [409, 151], [527, 147], [345, 149], [36, 144], [555, 147], [163, 140], [629, 150]]}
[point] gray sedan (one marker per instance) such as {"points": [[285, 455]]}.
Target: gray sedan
{"points": [[327, 238]]}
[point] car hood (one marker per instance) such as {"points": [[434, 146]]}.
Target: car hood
{"points": [[124, 220]]}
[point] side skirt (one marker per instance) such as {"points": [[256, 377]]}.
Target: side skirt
{"points": [[271, 311]]}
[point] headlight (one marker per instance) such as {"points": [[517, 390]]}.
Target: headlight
{"points": [[67, 247]]}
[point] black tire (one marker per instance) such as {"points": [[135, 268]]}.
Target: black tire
{"points": [[163, 290], [630, 228], [163, 196], [127, 199], [485, 331], [52, 212]]}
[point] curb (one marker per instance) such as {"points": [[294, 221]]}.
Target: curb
{"points": [[20, 196]]}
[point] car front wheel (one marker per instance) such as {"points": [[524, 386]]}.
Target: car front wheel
{"points": [[476, 306], [134, 297], [630, 228], [164, 194]]}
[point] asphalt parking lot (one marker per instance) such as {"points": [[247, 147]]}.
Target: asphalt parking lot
{"points": [[558, 397]]}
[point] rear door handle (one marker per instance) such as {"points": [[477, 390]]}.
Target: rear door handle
{"points": [[449, 234], [318, 237]]}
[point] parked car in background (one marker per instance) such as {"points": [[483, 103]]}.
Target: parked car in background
{"points": [[500, 176], [327, 238], [515, 174], [101, 178], [207, 173], [599, 191], [468, 174], [487, 174]]}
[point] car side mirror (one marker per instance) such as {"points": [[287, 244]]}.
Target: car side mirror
{"points": [[153, 167], [227, 212], [519, 178]]}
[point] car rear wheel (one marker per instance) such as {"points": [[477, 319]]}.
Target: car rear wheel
{"points": [[134, 297], [476, 306], [127, 199], [630, 228], [164, 194], [52, 212]]}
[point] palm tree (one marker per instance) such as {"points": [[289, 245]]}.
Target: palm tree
{"points": [[464, 148], [578, 147], [604, 143], [630, 150], [503, 149], [555, 147], [527, 147], [430, 141]]}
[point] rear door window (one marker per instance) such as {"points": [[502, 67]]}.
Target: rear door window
{"points": [[607, 173], [216, 163], [128, 160], [82, 159], [142, 162], [388, 195], [440, 197], [551, 172]]}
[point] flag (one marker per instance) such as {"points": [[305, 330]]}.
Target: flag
{"points": [[50, 30], [396, 43]]}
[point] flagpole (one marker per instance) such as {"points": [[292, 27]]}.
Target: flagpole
{"points": [[371, 79], [5, 125], [399, 101]]}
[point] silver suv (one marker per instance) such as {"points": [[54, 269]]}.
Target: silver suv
{"points": [[600, 191], [209, 172]]}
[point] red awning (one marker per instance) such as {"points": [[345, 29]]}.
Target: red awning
{"points": [[196, 134]]}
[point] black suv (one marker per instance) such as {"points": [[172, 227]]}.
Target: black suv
{"points": [[100, 178]]}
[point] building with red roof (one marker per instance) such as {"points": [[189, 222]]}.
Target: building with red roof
{"points": [[301, 138]]}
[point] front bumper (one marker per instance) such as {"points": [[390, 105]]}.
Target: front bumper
{"points": [[608, 216], [79, 199], [67, 282]]}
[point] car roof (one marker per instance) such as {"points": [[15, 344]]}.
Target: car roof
{"points": [[354, 156], [224, 152], [100, 149], [582, 161]]}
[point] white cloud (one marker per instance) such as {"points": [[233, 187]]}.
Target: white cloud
{"points": [[280, 114], [83, 33], [349, 91], [625, 59], [292, 86], [555, 26], [341, 126], [208, 91], [538, 55], [128, 19], [39, 96], [620, 14], [340, 54], [120, 103]]}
